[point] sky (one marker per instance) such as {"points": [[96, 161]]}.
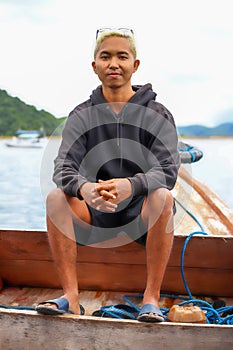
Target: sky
{"points": [[185, 48]]}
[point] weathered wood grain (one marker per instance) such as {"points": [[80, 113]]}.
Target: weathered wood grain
{"points": [[25, 259], [27, 330]]}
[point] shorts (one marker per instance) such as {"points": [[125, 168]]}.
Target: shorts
{"points": [[126, 220]]}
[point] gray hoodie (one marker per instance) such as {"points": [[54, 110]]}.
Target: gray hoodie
{"points": [[139, 143]]}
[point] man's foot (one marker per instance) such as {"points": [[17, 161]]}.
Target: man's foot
{"points": [[59, 306], [150, 313]]}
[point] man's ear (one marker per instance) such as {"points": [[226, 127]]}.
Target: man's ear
{"points": [[94, 66], [136, 65]]}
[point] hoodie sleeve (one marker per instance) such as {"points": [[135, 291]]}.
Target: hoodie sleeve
{"points": [[67, 175], [163, 156]]}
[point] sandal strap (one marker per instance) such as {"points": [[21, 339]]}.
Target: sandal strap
{"points": [[150, 308], [62, 303]]}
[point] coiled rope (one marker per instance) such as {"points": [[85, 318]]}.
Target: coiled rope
{"points": [[222, 315]]}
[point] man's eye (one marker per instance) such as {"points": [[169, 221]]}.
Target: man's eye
{"points": [[104, 57], [123, 57]]}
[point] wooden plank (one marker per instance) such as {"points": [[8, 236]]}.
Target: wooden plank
{"points": [[213, 251], [120, 277], [26, 260], [27, 330]]}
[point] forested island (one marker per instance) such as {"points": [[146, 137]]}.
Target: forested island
{"points": [[15, 114]]}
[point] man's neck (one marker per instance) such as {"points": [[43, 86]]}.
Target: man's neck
{"points": [[117, 94], [117, 98]]}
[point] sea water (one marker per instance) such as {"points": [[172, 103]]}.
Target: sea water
{"points": [[25, 179]]}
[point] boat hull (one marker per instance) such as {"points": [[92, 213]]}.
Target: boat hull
{"points": [[27, 330], [27, 143], [25, 260]]}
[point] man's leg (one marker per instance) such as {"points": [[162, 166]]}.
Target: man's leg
{"points": [[61, 210], [157, 213]]}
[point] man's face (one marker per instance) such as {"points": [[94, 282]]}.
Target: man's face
{"points": [[115, 63]]}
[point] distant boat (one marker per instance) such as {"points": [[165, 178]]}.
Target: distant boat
{"points": [[28, 139]]}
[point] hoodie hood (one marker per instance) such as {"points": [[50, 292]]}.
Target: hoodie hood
{"points": [[143, 95]]}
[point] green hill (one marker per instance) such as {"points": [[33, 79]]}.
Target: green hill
{"points": [[15, 114]]}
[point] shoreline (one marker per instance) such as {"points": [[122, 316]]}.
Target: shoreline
{"points": [[179, 136], [205, 137]]}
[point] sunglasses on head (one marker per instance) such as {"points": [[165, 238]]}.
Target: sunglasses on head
{"points": [[123, 31]]}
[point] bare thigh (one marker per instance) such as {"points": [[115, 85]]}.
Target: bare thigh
{"points": [[80, 211], [60, 206]]}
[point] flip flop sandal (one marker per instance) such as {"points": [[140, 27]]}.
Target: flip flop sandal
{"points": [[62, 307], [120, 311], [150, 313]]}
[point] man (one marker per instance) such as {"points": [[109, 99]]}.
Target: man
{"points": [[114, 171]]}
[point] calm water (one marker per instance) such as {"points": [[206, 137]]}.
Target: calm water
{"points": [[25, 179]]}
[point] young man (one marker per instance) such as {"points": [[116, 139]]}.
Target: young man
{"points": [[114, 171]]}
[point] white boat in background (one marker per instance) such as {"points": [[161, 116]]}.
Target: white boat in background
{"points": [[28, 139]]}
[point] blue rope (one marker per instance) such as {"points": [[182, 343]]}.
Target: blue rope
{"points": [[128, 301], [227, 320], [182, 260], [118, 312], [112, 311], [184, 149], [17, 307], [213, 316], [190, 149], [190, 214]]}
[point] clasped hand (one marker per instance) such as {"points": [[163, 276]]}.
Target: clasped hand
{"points": [[106, 195]]}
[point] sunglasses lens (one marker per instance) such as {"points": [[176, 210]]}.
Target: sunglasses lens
{"points": [[123, 31]]}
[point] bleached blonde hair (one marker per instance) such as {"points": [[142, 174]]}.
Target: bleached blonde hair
{"points": [[116, 34]]}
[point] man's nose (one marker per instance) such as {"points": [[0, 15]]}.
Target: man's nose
{"points": [[114, 62]]}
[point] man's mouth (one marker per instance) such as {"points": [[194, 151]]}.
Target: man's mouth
{"points": [[114, 75]]}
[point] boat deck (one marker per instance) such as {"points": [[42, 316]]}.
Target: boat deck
{"points": [[26, 329], [91, 300]]}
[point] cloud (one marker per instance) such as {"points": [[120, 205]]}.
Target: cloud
{"points": [[185, 50], [187, 79], [23, 3], [33, 11], [224, 116]]}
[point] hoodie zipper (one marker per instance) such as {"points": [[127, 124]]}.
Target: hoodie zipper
{"points": [[118, 132], [119, 126], [118, 136]]}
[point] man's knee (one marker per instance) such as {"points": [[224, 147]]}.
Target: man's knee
{"points": [[161, 201], [55, 199]]}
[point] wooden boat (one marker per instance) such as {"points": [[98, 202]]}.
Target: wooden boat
{"points": [[106, 274]]}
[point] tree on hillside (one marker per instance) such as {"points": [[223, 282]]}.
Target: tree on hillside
{"points": [[15, 114]]}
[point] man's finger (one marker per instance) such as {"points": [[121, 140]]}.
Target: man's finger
{"points": [[105, 186], [106, 181], [106, 208], [100, 201], [107, 194]]}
